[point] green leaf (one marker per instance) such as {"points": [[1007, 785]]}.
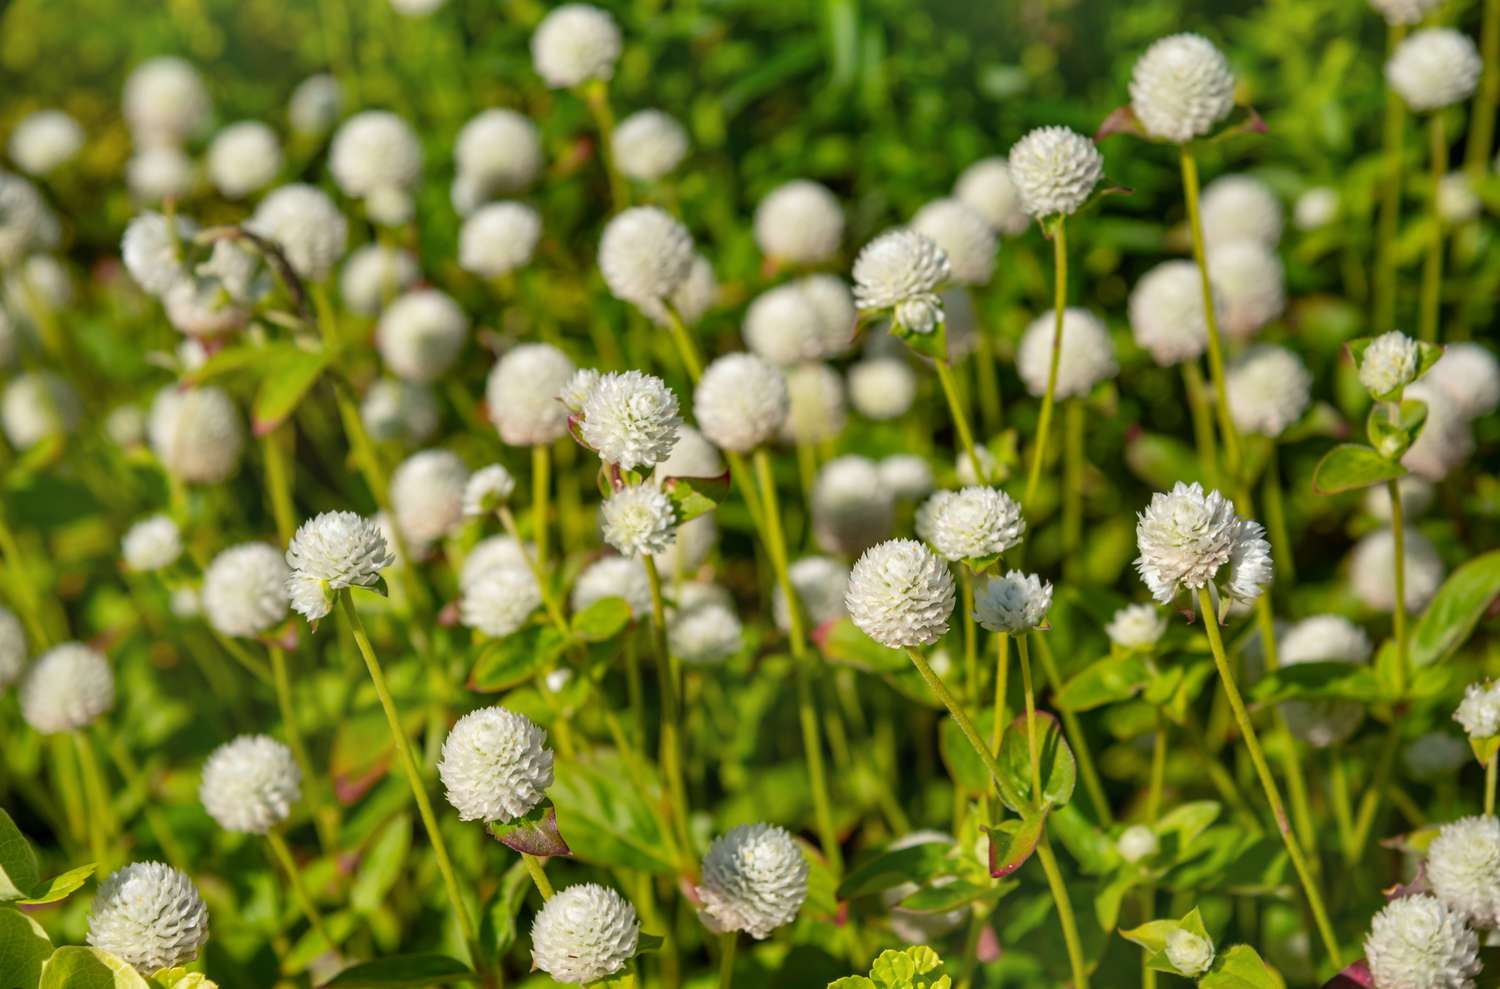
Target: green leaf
{"points": [[648, 944], [696, 496], [19, 872], [72, 967], [1090, 846], [852, 982], [896, 867], [381, 865], [602, 620], [402, 970], [1392, 428], [1105, 681], [1323, 680], [249, 359], [24, 946], [498, 927], [1455, 610], [1240, 968], [535, 833], [1057, 768], [58, 887], [608, 818], [283, 386], [843, 642], [933, 345], [1349, 467], [942, 897], [1162, 461], [1012, 843], [508, 662], [964, 765]]}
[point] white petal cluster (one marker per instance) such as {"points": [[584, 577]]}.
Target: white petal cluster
{"points": [[1416, 942], [1241, 207], [964, 235], [613, 577], [160, 172], [1372, 567], [488, 554], [987, 188], [1189, 954], [68, 687], [799, 222], [1269, 389], [521, 394], [906, 475], [45, 140], [584, 933], [1087, 356], [1457, 201], [331, 552], [427, 495], [498, 152], [690, 300], [498, 598], [197, 307], [649, 144], [374, 275], [1434, 68], [314, 106], [971, 523], [1167, 317], [703, 627], [630, 419], [689, 547], [153, 253], [498, 239], [808, 319], [36, 405], [754, 880], [165, 101], [13, 647], [154, 543], [1186, 537], [1055, 170], [638, 520], [375, 152], [645, 254], [244, 590], [1015, 603], [1446, 439], [882, 388], [250, 784], [820, 583], [852, 509], [900, 594], [26, 223], [1463, 868], [575, 43], [900, 271], [307, 226], [420, 334], [150, 916], [495, 766], [815, 404], [1389, 364], [1323, 639], [1479, 711], [741, 402], [1469, 375], [1316, 208], [1250, 278], [1136, 626], [575, 391], [244, 158], [400, 410], [196, 434], [1137, 843], [1404, 11], [692, 456], [1181, 87], [487, 489]]}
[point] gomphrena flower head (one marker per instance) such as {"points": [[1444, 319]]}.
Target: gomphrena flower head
{"points": [[638, 520], [583, 934], [702, 627], [1416, 942], [250, 784], [1316, 208], [1186, 537], [68, 687], [26, 222], [900, 594], [13, 648], [575, 391], [196, 434], [1055, 170], [754, 880], [1087, 356], [244, 158], [1167, 316], [799, 222], [498, 239], [852, 509], [1189, 953], [1372, 567], [1479, 711], [420, 334], [900, 271], [498, 599], [689, 300], [1434, 68], [331, 552], [809, 319], [427, 495], [575, 43], [375, 274], [1015, 603], [165, 101], [820, 583], [1181, 88], [36, 405], [740, 402], [521, 394], [645, 254], [613, 577], [315, 104], [154, 543], [815, 404], [487, 489], [244, 590], [882, 388], [496, 765], [400, 410], [498, 152], [649, 144], [906, 475], [1389, 364], [987, 188], [1406, 12], [45, 140], [150, 916], [306, 224], [152, 249], [971, 524], [630, 419], [1447, 436], [1323, 639], [1137, 843], [964, 236], [1269, 389], [1136, 626], [373, 151], [159, 172], [1241, 207], [1457, 200], [1251, 281], [1463, 869]]}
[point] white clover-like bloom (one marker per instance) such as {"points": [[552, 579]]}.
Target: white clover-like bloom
{"points": [[820, 583], [165, 101], [1015, 603], [1416, 942], [799, 222], [1187, 536], [314, 106], [400, 410], [420, 334], [613, 577], [197, 434], [244, 158], [969, 472], [1389, 363], [374, 275], [13, 647], [495, 766], [575, 391], [67, 688], [154, 543], [1323, 639], [1469, 375], [499, 151], [488, 554], [1087, 356], [852, 509], [900, 271], [1372, 567], [160, 172], [45, 140], [427, 495], [1437, 753], [250, 784], [809, 319], [199, 307], [900, 594], [331, 552], [1241, 207], [521, 394], [691, 299], [740, 402], [1269, 389], [26, 222], [1434, 68], [964, 236], [390, 206], [585, 932], [575, 43], [1316, 208], [815, 406], [307, 226], [1479, 711], [1416, 498], [1055, 170], [906, 475], [1463, 868], [244, 590], [373, 151], [1137, 843], [1250, 278], [1457, 202], [630, 419], [1136, 626], [499, 599], [638, 520], [36, 405], [1404, 11], [971, 523], [703, 628], [152, 253], [1181, 88], [754, 880], [487, 489], [1446, 439], [987, 188], [690, 545], [43, 278], [499, 238], [882, 388], [1167, 317], [649, 144], [150, 916], [645, 254], [1189, 954]]}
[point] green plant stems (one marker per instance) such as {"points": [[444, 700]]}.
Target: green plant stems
{"points": [[1028, 693], [1385, 764], [1338, 785], [1281, 542], [549, 599], [1389, 220], [965, 725], [278, 484], [1059, 307], [1398, 609], [125, 764], [1489, 786], [671, 710], [1071, 940], [242, 656], [1296, 783], [971, 635], [1432, 267], [326, 824], [960, 417], [538, 875], [541, 492], [596, 95], [100, 811], [299, 888], [682, 337], [1002, 676], [23, 591], [1267, 781], [1072, 519], [1203, 417], [1087, 771], [1487, 97], [727, 943]]}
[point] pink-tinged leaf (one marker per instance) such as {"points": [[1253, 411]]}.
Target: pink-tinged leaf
{"points": [[1121, 121], [1356, 976], [534, 834], [1012, 843]]}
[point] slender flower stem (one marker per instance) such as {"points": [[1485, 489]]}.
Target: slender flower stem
{"points": [[1059, 307], [1338, 785], [1281, 542], [1267, 781], [1071, 940], [1203, 417], [687, 350], [965, 725], [239, 654], [1487, 97], [671, 710], [100, 812], [549, 599], [1394, 136], [538, 875], [278, 484], [325, 822], [299, 888], [1398, 611], [1384, 766], [960, 418], [1087, 771], [1489, 786], [726, 959], [971, 636], [1002, 675], [541, 490], [1028, 692], [596, 95], [1432, 268]]}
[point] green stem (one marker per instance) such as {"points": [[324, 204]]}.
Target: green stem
{"points": [[1365, 822], [1203, 417], [940, 689], [1489, 787], [538, 875], [671, 713], [1002, 675], [541, 489], [549, 599], [596, 95], [1394, 136], [960, 418], [278, 485], [1487, 97], [1064, 907], [1059, 307], [299, 888], [1088, 772], [239, 654], [1432, 269], [971, 636], [325, 822], [100, 811], [1398, 612], [1281, 542], [726, 959], [687, 350], [1028, 693], [1338, 784]]}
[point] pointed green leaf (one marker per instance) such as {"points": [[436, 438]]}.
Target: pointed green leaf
{"points": [[73, 967], [535, 833], [1456, 609], [24, 946], [1105, 681], [19, 872], [896, 867], [1240, 968], [1058, 770], [505, 663], [282, 388], [1349, 467], [1012, 843], [58, 887], [602, 620]]}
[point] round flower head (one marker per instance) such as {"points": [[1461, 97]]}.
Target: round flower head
{"points": [[1137, 843], [740, 402], [987, 188], [754, 880], [1434, 68], [703, 628], [152, 251], [244, 590], [1181, 87], [160, 172], [820, 583], [1269, 389], [900, 594], [1406, 12], [1416, 942], [373, 151], [907, 475], [1457, 202], [400, 410], [250, 784], [1479, 712], [645, 255], [692, 456], [1446, 439], [638, 520], [67, 688], [690, 300], [649, 144], [1055, 170], [1015, 603], [495, 766], [13, 648], [26, 223], [1136, 626], [815, 406], [314, 107], [421, 334], [1189, 954], [197, 434], [150, 916], [882, 388], [498, 238], [306, 224], [613, 577], [1087, 357], [1463, 869], [689, 547], [1316, 208], [799, 222], [374, 275], [329, 553], [499, 599], [964, 236], [427, 495], [41, 277], [500, 151], [522, 394], [488, 554], [576, 390], [1186, 537], [1389, 364], [36, 405], [1372, 567], [197, 308], [1323, 639], [488, 488], [585, 932], [1469, 375], [1166, 313], [1252, 282], [244, 158], [1241, 207], [852, 509], [45, 140], [165, 101], [805, 320], [151, 544], [575, 43], [970, 524], [630, 419], [900, 271]]}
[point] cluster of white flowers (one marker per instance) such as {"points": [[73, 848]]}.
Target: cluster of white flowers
{"points": [[1463, 868], [964, 236], [583, 934], [427, 496], [649, 144], [67, 688], [630, 419], [575, 43], [1188, 537], [1055, 171], [1479, 712], [1241, 207], [645, 255], [900, 272], [329, 553], [820, 583], [799, 222], [1136, 626], [154, 543], [1269, 389], [741, 402], [521, 394], [244, 589], [376, 156], [495, 765], [900, 594], [150, 916], [754, 880], [882, 388], [1181, 87], [987, 188], [852, 509], [1416, 942], [1015, 603], [1086, 355], [307, 226], [970, 524], [250, 784], [1434, 68], [1167, 315], [638, 520], [808, 319], [498, 152]]}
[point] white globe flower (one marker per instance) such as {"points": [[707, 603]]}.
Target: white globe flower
{"points": [[575, 391], [690, 300], [37, 405], [125, 426], [1479, 712], [613, 577], [799, 222], [820, 583], [900, 271], [703, 629], [809, 319], [1323, 639], [521, 394], [1469, 375], [495, 766], [494, 552], [201, 307], [13, 647], [165, 101], [1434, 68], [1389, 363], [649, 144], [427, 496], [372, 151], [153, 253], [1167, 316], [1269, 389], [244, 590], [154, 543], [1136, 626], [584, 933], [815, 404], [964, 236], [1241, 207], [1087, 356], [41, 278], [26, 222], [197, 434], [499, 151], [1015, 603], [421, 334], [315, 104], [1253, 285], [1186, 537], [499, 600], [1416, 942], [1446, 439], [1137, 843], [250, 784], [374, 275], [1457, 202], [488, 489], [906, 475], [331, 552], [575, 43], [400, 410], [971, 523], [882, 388], [852, 509], [1416, 498], [1463, 868], [638, 520], [900, 594], [1404, 11], [45, 140], [498, 238], [1181, 88], [630, 419], [244, 158], [67, 688], [159, 172], [390, 206], [754, 880], [692, 456], [689, 547], [1189, 954], [1055, 170], [306, 224], [987, 188], [150, 916], [1316, 208], [645, 255], [1372, 567], [740, 402]]}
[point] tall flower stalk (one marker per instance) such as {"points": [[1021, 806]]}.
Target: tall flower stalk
{"points": [[1393, 139], [1059, 234]]}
